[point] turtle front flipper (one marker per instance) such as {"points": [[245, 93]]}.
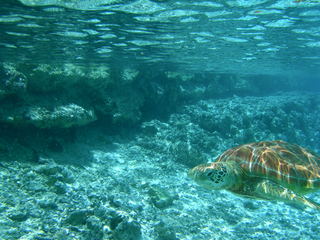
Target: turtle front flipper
{"points": [[271, 191]]}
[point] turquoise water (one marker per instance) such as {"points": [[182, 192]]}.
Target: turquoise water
{"points": [[258, 36], [106, 104]]}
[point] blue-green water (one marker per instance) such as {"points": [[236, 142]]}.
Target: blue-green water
{"points": [[106, 104], [256, 36]]}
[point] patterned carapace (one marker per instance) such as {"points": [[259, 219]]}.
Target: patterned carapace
{"points": [[280, 161]]}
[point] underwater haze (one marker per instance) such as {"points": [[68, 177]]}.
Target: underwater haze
{"points": [[105, 105]]}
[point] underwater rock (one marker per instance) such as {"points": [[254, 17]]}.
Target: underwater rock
{"points": [[48, 204], [127, 108], [78, 217], [95, 225], [45, 78], [165, 232], [250, 205], [60, 188], [55, 173], [149, 129], [19, 216], [182, 76], [122, 226], [126, 95], [61, 117], [127, 230], [110, 93], [162, 95], [11, 80], [159, 197], [128, 75]]}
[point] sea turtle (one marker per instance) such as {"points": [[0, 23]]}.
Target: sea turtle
{"points": [[268, 170]]}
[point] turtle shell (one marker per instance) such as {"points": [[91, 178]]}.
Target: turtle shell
{"points": [[287, 164]]}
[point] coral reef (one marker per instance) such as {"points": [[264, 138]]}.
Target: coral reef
{"points": [[63, 178], [209, 127], [138, 188], [61, 116], [125, 95], [106, 104], [12, 82]]}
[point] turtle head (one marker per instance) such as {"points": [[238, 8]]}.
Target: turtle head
{"points": [[214, 176]]}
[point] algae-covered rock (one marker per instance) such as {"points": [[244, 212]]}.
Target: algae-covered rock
{"points": [[60, 117], [47, 78], [48, 204], [95, 227], [11, 81], [55, 173], [19, 216], [127, 108], [182, 76], [47, 93], [109, 92], [128, 75], [78, 217], [127, 230], [165, 232], [160, 198]]}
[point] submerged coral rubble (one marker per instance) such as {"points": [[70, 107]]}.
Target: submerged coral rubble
{"points": [[138, 189]]}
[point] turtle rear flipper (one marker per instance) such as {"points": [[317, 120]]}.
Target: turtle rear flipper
{"points": [[271, 191]]}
